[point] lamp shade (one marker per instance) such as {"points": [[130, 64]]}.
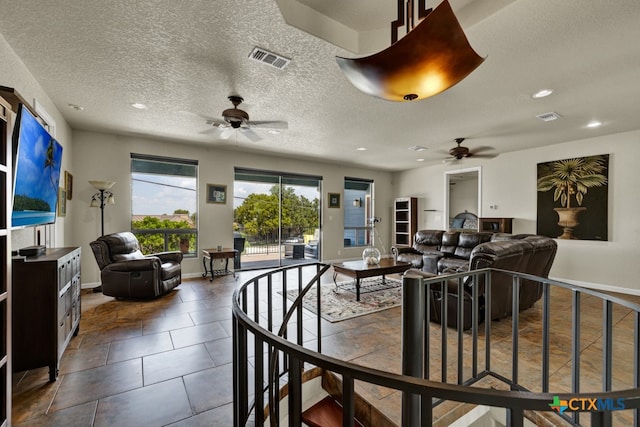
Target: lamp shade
{"points": [[102, 185], [431, 58]]}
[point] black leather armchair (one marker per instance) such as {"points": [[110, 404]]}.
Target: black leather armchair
{"points": [[127, 273]]}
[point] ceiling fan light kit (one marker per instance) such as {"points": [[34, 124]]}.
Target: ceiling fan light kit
{"points": [[428, 60]]}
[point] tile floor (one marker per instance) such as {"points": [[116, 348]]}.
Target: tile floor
{"points": [[168, 361]]}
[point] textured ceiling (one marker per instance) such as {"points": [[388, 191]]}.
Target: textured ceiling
{"points": [[182, 59]]}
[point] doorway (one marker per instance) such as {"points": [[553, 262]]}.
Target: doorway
{"points": [[278, 217], [462, 192]]}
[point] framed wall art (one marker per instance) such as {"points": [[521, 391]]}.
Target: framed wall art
{"points": [[62, 202], [334, 200], [216, 193], [573, 198], [68, 183]]}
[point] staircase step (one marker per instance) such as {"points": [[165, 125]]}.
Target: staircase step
{"points": [[326, 413]]}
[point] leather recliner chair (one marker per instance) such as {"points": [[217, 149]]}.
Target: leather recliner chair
{"points": [[127, 273]]}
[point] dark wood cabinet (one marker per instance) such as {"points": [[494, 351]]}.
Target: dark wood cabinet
{"points": [[405, 222], [46, 308], [496, 225]]}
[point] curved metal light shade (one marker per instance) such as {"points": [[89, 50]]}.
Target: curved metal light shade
{"points": [[431, 58]]}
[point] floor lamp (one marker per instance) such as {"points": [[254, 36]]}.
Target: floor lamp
{"points": [[101, 198]]}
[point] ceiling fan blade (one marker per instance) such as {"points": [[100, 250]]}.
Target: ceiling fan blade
{"points": [[478, 150], [209, 131], [262, 124], [450, 160], [251, 135], [216, 123], [482, 156], [227, 132]]}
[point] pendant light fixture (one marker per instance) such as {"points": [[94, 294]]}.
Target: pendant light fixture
{"points": [[429, 59]]}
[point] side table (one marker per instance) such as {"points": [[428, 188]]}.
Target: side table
{"points": [[213, 254]]}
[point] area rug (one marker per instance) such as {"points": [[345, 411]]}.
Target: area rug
{"points": [[339, 302]]}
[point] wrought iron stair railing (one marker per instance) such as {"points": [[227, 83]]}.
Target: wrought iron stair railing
{"points": [[264, 317]]}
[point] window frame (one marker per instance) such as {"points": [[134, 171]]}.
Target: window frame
{"points": [[361, 235], [142, 163]]}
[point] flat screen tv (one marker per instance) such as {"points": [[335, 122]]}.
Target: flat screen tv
{"points": [[37, 161]]}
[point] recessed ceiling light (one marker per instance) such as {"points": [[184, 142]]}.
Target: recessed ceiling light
{"points": [[75, 107], [139, 106], [274, 132], [542, 93], [361, 149], [419, 160], [594, 124]]}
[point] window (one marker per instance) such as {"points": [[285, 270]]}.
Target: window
{"points": [[164, 200], [358, 212]]}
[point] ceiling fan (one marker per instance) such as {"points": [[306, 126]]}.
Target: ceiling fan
{"points": [[459, 152], [237, 119]]}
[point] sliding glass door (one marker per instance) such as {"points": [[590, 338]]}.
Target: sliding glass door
{"points": [[276, 218]]}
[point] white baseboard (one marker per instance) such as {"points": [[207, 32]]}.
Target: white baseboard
{"points": [[91, 285]]}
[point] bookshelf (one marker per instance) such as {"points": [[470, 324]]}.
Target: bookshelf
{"points": [[405, 224]]}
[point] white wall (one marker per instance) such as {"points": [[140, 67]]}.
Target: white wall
{"points": [[592, 263], [107, 157], [14, 74], [463, 196]]}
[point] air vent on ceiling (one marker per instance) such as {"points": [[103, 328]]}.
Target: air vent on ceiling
{"points": [[269, 58], [548, 117]]}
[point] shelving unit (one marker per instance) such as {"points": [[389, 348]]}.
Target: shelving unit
{"points": [[496, 225], [5, 254], [405, 224]]}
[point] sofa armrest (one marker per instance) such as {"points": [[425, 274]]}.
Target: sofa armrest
{"points": [[430, 261], [403, 249], [172, 256], [140, 264]]}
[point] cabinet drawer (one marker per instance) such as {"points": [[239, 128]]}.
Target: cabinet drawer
{"points": [[64, 304], [64, 327]]}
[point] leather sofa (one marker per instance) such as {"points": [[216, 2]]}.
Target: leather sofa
{"points": [[522, 253], [127, 273], [435, 251]]}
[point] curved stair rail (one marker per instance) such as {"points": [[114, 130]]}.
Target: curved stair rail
{"points": [[259, 303]]}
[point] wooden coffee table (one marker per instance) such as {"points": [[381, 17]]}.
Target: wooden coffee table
{"points": [[359, 270]]}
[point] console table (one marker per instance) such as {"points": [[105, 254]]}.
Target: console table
{"points": [[45, 307], [213, 254]]}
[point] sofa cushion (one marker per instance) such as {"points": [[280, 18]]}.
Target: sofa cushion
{"points": [[124, 242], [449, 243], [468, 241], [427, 240]]}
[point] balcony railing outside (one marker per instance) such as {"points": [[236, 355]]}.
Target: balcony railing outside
{"points": [[171, 238], [255, 302]]}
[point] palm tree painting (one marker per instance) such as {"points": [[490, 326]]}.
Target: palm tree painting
{"points": [[573, 198]]}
